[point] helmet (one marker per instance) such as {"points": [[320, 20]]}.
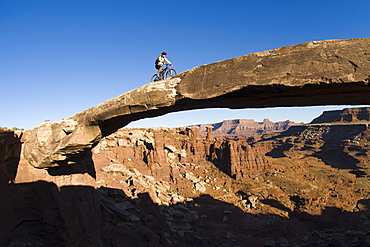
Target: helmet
{"points": [[164, 53]]}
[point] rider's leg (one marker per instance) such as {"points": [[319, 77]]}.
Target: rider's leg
{"points": [[159, 72]]}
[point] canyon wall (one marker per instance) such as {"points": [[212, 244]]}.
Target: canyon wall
{"points": [[156, 149]]}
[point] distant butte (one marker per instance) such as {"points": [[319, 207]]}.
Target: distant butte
{"points": [[332, 72]]}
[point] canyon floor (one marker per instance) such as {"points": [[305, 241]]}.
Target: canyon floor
{"points": [[307, 186]]}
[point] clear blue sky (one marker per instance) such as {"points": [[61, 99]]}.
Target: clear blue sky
{"points": [[58, 58]]}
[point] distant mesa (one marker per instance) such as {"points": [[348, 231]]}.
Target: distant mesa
{"points": [[239, 127]]}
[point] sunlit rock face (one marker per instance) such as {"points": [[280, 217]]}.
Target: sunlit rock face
{"points": [[334, 72]]}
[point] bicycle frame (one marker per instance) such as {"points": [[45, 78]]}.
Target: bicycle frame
{"points": [[165, 67], [165, 73]]}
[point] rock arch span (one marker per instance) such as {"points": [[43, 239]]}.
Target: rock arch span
{"points": [[332, 72]]}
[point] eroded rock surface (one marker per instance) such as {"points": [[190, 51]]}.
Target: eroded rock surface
{"points": [[315, 73]]}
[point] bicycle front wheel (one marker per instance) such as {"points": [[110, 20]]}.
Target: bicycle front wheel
{"points": [[170, 73], [154, 78]]}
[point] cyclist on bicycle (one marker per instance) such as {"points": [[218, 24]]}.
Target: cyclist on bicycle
{"points": [[160, 61]]}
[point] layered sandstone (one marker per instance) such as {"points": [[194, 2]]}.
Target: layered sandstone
{"points": [[314, 73]]}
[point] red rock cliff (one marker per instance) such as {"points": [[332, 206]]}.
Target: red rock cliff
{"points": [[155, 150]]}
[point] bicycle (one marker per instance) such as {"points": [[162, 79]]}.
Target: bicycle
{"points": [[165, 73]]}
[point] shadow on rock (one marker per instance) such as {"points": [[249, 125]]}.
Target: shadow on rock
{"points": [[41, 214], [333, 155], [85, 165], [10, 152], [278, 152]]}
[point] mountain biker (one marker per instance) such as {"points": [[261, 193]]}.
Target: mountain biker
{"points": [[160, 61]]}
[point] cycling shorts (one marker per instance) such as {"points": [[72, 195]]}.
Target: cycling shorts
{"points": [[158, 66]]}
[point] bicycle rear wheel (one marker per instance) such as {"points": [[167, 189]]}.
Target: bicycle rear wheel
{"points": [[154, 78], [170, 73]]}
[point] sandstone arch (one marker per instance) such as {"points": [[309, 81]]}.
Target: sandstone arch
{"points": [[335, 72]]}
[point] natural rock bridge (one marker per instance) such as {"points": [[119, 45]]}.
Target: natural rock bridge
{"points": [[334, 72]]}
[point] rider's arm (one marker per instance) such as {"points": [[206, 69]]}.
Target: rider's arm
{"points": [[168, 61]]}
